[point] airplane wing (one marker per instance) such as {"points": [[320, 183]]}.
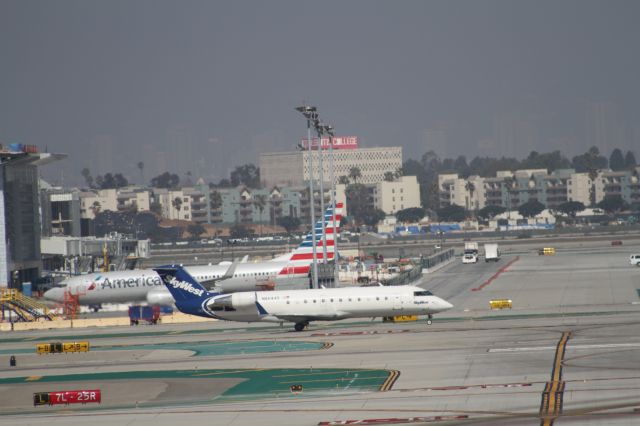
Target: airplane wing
{"points": [[229, 274], [307, 317]]}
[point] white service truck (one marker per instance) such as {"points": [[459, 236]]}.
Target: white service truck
{"points": [[470, 254], [470, 248], [491, 252]]}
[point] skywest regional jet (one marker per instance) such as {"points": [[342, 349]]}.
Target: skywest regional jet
{"points": [[299, 306], [144, 285]]}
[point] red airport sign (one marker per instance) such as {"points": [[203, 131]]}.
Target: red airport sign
{"points": [[67, 397], [339, 142]]}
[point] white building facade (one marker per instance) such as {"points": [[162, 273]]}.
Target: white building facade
{"points": [[292, 168]]}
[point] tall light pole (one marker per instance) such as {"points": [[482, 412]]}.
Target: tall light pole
{"points": [[320, 131], [310, 114], [329, 131]]}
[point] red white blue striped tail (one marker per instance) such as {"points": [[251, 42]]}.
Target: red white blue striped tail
{"points": [[302, 256]]}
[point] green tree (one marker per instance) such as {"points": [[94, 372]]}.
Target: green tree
{"points": [[531, 208], [248, 175], [165, 180], [410, 215], [372, 216], [289, 223], [616, 160], [215, 200], [156, 208], [389, 176], [629, 160], [571, 208], [357, 201], [111, 181], [343, 180], [489, 212], [589, 161], [195, 230], [86, 174], [612, 204], [452, 213], [239, 230], [355, 174]]}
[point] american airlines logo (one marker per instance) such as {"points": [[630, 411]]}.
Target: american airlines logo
{"points": [[183, 285]]}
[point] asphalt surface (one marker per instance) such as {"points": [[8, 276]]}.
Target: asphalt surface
{"points": [[566, 353]]}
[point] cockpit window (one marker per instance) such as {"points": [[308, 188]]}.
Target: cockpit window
{"points": [[422, 293]]}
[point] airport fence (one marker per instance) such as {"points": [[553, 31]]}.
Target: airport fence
{"points": [[420, 264], [436, 259]]}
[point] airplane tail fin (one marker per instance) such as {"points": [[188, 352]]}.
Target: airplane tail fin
{"points": [[188, 294], [304, 252]]}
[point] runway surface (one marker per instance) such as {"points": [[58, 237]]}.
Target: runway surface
{"points": [[567, 353]]}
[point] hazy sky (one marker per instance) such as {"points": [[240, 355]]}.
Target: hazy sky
{"points": [[207, 85]]}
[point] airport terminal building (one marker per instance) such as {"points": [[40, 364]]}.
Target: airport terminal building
{"points": [[20, 259]]}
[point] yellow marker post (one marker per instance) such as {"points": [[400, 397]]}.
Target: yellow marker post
{"points": [[501, 304]]}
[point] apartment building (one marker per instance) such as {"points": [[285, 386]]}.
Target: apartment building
{"points": [[512, 189], [400, 194]]}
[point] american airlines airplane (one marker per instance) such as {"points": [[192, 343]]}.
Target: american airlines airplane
{"points": [[299, 306], [289, 271]]}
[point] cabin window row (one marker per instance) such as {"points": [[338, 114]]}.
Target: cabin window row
{"points": [[350, 299]]}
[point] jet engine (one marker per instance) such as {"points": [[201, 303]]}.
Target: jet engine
{"points": [[243, 300], [235, 300]]}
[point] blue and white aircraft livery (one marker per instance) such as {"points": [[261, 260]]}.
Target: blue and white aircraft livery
{"points": [[298, 306], [144, 285]]}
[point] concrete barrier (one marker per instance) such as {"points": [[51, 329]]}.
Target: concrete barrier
{"points": [[175, 318]]}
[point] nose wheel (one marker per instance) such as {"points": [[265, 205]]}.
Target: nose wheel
{"points": [[429, 319], [301, 325]]}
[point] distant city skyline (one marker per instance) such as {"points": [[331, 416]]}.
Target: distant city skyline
{"points": [[204, 87]]}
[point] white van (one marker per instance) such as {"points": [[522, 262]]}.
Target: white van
{"points": [[634, 259], [469, 258]]}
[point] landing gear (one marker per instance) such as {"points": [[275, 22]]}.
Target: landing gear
{"points": [[301, 325], [429, 319]]}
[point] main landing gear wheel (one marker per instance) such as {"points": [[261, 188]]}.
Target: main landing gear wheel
{"points": [[300, 326], [429, 319]]}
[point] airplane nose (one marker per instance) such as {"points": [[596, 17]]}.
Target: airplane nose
{"points": [[444, 305], [55, 294]]}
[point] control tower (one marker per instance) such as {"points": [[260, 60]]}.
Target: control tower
{"points": [[20, 259]]}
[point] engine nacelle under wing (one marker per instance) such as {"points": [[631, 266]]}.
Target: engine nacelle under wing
{"points": [[243, 300], [232, 301]]}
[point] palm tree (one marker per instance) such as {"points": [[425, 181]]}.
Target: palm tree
{"points": [[177, 204], [141, 168], [86, 174], [95, 208], [470, 187], [593, 175], [355, 174], [260, 202]]}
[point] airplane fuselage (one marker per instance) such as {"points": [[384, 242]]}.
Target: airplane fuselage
{"points": [[324, 304], [145, 285]]}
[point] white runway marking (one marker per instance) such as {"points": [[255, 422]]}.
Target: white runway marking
{"points": [[572, 347]]}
